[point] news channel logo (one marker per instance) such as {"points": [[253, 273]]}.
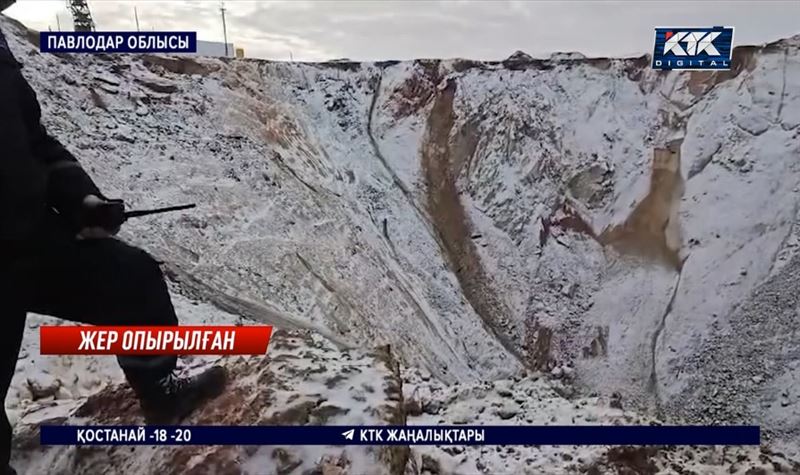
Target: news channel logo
{"points": [[693, 49]]}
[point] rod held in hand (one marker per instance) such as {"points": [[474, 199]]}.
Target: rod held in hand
{"points": [[145, 212]]}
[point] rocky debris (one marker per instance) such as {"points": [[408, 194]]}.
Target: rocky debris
{"points": [[180, 64], [503, 388], [42, 386], [562, 371], [124, 134], [462, 417], [739, 389], [158, 85], [332, 465], [568, 289], [415, 92], [567, 56], [108, 88], [540, 404], [507, 410], [616, 401], [108, 82], [108, 79], [432, 407], [413, 407], [97, 99], [593, 185], [430, 465], [566, 218], [519, 56], [285, 461], [277, 389]]}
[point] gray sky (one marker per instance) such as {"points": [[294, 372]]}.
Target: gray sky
{"points": [[369, 30]]}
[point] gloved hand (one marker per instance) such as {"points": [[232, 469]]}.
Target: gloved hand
{"points": [[100, 218]]}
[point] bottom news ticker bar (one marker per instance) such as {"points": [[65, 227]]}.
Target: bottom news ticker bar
{"points": [[400, 435]]}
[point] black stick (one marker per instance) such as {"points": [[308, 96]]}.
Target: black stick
{"points": [[145, 212]]}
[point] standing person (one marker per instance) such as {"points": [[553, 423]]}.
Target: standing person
{"points": [[57, 258]]}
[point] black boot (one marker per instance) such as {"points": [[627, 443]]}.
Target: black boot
{"points": [[170, 399]]}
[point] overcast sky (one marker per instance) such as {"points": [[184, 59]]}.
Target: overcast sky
{"points": [[369, 30]]}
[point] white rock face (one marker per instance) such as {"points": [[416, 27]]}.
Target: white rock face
{"points": [[462, 212]]}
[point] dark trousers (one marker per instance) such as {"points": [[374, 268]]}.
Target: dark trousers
{"points": [[96, 282]]}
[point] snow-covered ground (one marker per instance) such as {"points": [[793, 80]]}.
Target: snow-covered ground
{"points": [[460, 212], [305, 379]]}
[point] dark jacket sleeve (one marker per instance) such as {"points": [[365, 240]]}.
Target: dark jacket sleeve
{"points": [[35, 169], [67, 182], [23, 178]]}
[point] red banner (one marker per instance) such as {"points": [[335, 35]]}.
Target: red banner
{"points": [[136, 340]]}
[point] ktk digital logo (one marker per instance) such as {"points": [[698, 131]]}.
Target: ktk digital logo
{"points": [[693, 48]]}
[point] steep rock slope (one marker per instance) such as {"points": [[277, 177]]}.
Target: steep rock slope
{"points": [[458, 209]]}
